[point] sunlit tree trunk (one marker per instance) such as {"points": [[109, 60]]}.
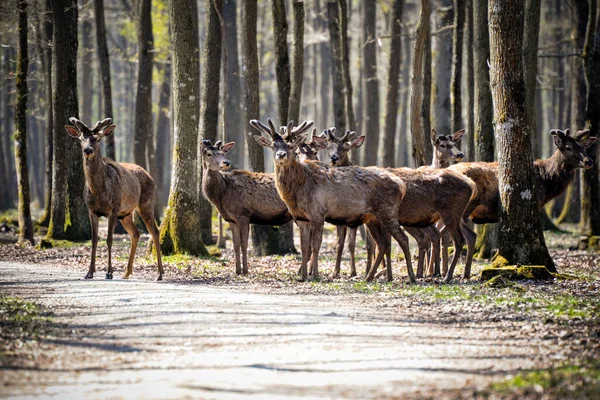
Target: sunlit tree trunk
{"points": [[457, 52], [234, 126], [370, 81], [442, 67], [337, 69], [46, 53]]}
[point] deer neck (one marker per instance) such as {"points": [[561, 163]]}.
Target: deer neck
{"points": [[212, 184], [95, 174], [289, 179], [439, 162], [345, 163], [553, 176]]}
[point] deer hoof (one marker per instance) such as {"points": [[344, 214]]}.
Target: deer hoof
{"points": [[125, 276], [89, 276], [448, 279], [336, 276], [159, 277], [109, 275]]}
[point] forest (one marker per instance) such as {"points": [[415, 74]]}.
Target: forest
{"points": [[437, 152]]}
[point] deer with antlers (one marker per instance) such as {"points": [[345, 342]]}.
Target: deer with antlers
{"points": [[114, 190], [315, 193]]}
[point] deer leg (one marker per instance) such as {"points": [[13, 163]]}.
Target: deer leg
{"points": [[94, 225], [444, 240], [339, 250], [393, 227], [470, 238], [382, 239], [235, 234], [305, 248], [458, 242], [352, 249], [112, 222], [147, 213], [316, 237], [244, 231], [370, 244], [134, 234], [434, 263]]}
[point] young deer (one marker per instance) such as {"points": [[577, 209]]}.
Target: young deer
{"points": [[553, 175], [241, 197], [315, 193], [114, 190]]}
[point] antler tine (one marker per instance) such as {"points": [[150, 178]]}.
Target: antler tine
{"points": [[206, 143], [345, 136], [579, 135], [100, 125], [303, 127], [259, 126], [290, 128], [329, 133], [568, 132], [272, 129], [79, 125], [218, 144]]}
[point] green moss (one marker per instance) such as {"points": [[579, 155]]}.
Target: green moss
{"points": [[20, 317], [499, 262], [47, 243], [517, 273], [214, 251], [500, 282]]}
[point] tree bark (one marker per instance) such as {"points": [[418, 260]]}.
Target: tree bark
{"points": [[337, 70], [47, 68], [457, 52], [325, 56], [370, 81], [163, 137], [180, 227], [104, 64], [5, 177], [143, 99], [297, 62], [391, 102], [234, 126], [282, 59], [441, 116], [521, 235], [420, 138], [86, 71], [348, 90], [470, 84], [590, 193], [403, 143], [530, 46], [24, 214], [9, 55]]}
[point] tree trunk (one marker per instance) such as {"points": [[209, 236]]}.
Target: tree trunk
{"points": [[391, 101], [441, 116], [282, 59], [403, 143], [350, 117], [69, 216], [530, 46], [86, 72], [9, 70], [234, 125], [420, 138], [470, 84], [371, 82], [521, 235], [337, 70], [25, 222], [47, 68], [298, 62], [104, 64], [457, 52], [5, 198], [163, 137], [325, 55], [590, 193], [143, 100], [180, 227]]}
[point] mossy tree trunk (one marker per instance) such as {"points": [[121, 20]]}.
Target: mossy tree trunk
{"points": [[370, 81], [391, 102], [25, 222], [521, 235], [457, 52], [590, 193], [487, 235], [104, 64], [420, 97], [337, 68], [179, 231], [46, 54], [442, 66]]}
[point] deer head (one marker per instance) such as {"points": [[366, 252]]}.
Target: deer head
{"points": [[213, 156], [445, 146], [310, 148], [339, 147], [285, 142], [90, 138], [572, 147]]}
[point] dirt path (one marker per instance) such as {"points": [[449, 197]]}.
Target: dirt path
{"points": [[165, 340]]}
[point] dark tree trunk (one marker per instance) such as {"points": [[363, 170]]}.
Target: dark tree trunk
{"points": [[8, 73], [143, 100], [457, 52], [233, 125], [25, 222], [180, 227], [590, 188], [337, 70], [420, 96], [371, 82], [350, 117], [163, 137], [282, 59], [325, 55], [441, 116], [209, 114], [402, 148], [47, 67], [5, 198], [521, 235], [87, 53], [297, 62], [104, 64], [470, 84], [530, 45], [391, 101]]}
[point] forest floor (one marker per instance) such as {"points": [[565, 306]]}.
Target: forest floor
{"points": [[205, 332]]}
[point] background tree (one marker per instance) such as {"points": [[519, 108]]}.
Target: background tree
{"points": [[521, 235], [345, 41], [234, 126], [457, 52], [297, 62], [442, 65], [25, 222], [370, 81], [391, 103], [337, 68], [46, 58], [180, 227]]}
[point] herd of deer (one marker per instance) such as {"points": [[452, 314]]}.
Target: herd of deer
{"points": [[432, 203]]}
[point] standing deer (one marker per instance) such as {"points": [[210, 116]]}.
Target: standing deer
{"points": [[241, 197], [114, 190], [315, 193]]}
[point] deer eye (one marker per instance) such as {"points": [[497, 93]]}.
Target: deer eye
{"points": [[443, 146], [569, 148], [209, 154]]}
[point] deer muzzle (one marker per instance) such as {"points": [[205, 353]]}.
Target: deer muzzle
{"points": [[587, 163], [88, 152]]}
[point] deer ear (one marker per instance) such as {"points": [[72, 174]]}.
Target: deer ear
{"points": [[320, 142], [263, 141], [227, 146], [108, 130], [557, 139], [356, 143], [456, 136], [73, 132], [588, 142]]}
